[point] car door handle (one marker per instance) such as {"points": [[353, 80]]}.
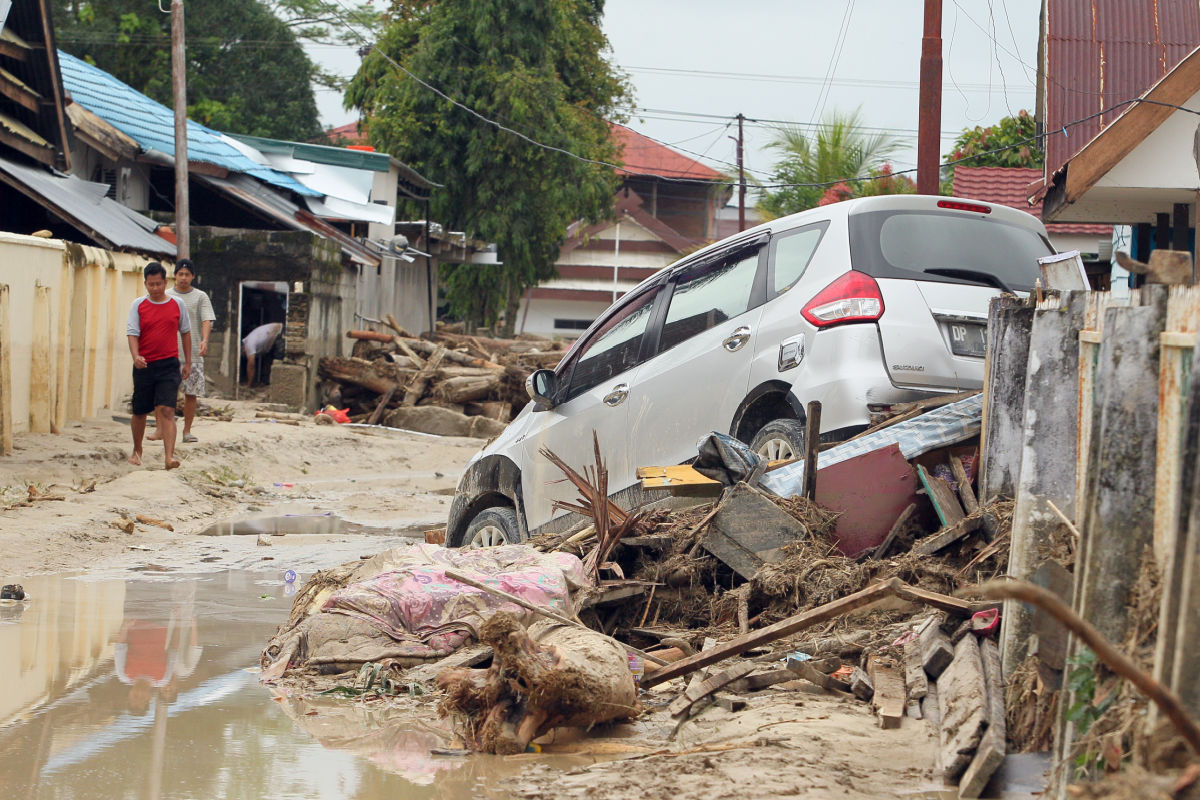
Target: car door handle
{"points": [[737, 339], [617, 395]]}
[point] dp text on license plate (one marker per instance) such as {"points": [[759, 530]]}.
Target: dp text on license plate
{"points": [[967, 339]]}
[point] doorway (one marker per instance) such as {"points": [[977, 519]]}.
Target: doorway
{"points": [[260, 303]]}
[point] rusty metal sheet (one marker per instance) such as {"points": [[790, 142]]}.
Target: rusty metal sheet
{"points": [[869, 492]]}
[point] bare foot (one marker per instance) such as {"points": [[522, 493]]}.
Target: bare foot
{"points": [[135, 458], [173, 463], [154, 437]]}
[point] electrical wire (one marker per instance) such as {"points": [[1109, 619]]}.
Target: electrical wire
{"points": [[843, 29], [823, 184]]}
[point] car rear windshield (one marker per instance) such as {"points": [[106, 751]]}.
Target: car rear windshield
{"points": [[949, 247]]}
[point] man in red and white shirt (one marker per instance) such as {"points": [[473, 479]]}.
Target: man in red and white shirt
{"points": [[154, 321]]}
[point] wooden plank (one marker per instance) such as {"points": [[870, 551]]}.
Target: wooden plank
{"points": [[749, 530], [888, 699], [861, 685], [674, 477], [931, 708], [944, 602], [652, 542], [990, 753], [897, 526], [812, 438], [965, 492], [936, 652], [947, 536], [945, 503], [915, 682], [810, 673], [761, 680], [771, 633], [6, 397], [962, 695], [681, 705]]}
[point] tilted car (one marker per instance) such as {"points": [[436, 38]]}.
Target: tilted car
{"points": [[859, 304]]}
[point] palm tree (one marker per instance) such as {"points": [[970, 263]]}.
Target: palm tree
{"points": [[838, 149]]}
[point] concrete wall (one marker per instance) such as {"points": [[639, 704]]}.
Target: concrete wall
{"points": [[538, 316], [64, 333]]}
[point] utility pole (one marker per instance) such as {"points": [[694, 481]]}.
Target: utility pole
{"points": [[179, 88], [929, 125], [741, 118]]}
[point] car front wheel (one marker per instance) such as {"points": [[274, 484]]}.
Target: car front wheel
{"points": [[780, 440], [492, 527]]}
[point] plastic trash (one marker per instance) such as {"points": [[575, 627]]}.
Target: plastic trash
{"points": [[289, 576], [637, 666]]}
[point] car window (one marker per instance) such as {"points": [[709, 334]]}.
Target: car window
{"points": [[614, 347], [708, 295], [790, 254], [946, 248]]}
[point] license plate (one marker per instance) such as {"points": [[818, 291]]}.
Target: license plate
{"points": [[967, 339]]}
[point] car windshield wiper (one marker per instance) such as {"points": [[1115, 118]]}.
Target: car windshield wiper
{"points": [[975, 276]]}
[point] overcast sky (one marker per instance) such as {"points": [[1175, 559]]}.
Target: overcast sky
{"points": [[796, 60]]}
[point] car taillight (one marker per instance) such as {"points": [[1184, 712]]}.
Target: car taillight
{"points": [[854, 297]]}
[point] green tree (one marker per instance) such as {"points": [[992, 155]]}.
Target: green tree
{"points": [[247, 72], [1008, 143], [837, 150], [535, 66]]}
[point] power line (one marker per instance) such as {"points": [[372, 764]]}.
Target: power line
{"points": [[809, 80], [852, 179]]}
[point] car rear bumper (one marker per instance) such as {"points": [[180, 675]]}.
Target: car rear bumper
{"points": [[846, 372]]}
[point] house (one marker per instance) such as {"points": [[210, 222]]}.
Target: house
{"points": [[668, 205], [281, 231], [1118, 149], [1007, 186]]}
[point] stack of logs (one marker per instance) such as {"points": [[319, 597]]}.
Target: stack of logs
{"points": [[464, 376]]}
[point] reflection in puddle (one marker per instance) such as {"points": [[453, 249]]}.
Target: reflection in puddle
{"points": [[148, 688], [327, 523]]}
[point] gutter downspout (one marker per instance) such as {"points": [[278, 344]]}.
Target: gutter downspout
{"points": [[429, 272]]}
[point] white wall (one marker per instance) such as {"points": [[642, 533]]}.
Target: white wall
{"points": [[538, 316]]}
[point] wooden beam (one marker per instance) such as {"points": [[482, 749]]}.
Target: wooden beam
{"points": [[6, 399], [771, 633], [37, 152], [12, 88]]}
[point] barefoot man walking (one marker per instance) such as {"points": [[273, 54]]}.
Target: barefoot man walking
{"points": [[154, 320]]}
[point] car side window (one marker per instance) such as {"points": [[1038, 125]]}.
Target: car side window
{"points": [[708, 295], [615, 346], [791, 253]]}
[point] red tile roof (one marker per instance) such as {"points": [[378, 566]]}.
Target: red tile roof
{"points": [[347, 134], [1007, 186], [1100, 54], [643, 155]]}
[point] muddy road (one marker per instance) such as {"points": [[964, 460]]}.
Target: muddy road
{"points": [[133, 669]]}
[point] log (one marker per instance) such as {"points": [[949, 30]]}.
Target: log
{"points": [[377, 414], [416, 387], [370, 336], [467, 388], [549, 676], [429, 348], [357, 372]]}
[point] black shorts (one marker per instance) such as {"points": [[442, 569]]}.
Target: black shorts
{"points": [[156, 385]]}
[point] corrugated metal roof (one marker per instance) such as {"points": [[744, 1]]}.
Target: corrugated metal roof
{"points": [[84, 205], [1099, 54], [1007, 186], [152, 125], [274, 205]]}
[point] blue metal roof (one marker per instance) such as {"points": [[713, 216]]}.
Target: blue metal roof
{"points": [[152, 125]]}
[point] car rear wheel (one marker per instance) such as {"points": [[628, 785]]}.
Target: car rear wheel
{"points": [[780, 440], [492, 527]]}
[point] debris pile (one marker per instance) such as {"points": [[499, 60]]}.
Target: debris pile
{"points": [[442, 382]]}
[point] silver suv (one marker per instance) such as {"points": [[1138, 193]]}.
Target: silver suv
{"points": [[858, 304]]}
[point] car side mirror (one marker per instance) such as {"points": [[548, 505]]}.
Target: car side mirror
{"points": [[542, 386]]}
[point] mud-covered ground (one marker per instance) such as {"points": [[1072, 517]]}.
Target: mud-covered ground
{"points": [[786, 743]]}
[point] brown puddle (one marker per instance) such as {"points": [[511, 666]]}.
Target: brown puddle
{"points": [[148, 688]]}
